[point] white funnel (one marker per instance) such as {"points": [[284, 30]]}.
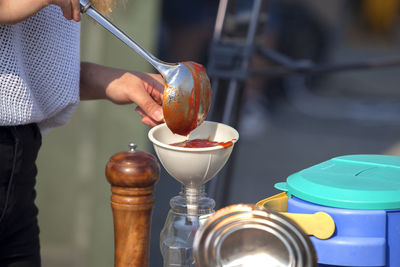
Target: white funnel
{"points": [[193, 166]]}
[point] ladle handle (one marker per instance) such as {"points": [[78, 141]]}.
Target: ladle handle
{"points": [[161, 66]]}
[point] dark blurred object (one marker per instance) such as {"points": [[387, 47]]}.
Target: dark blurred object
{"points": [[300, 35], [186, 29]]}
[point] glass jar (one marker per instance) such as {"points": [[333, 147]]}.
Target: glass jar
{"points": [[176, 238]]}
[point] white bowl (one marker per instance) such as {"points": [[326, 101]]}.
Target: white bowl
{"points": [[193, 166]]}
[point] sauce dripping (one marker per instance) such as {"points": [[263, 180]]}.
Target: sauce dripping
{"points": [[199, 143], [185, 115]]}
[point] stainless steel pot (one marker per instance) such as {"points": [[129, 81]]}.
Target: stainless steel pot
{"points": [[244, 235]]}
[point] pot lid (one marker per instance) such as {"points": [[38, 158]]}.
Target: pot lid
{"points": [[366, 182]]}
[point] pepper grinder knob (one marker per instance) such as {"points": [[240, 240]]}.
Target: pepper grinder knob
{"points": [[132, 147]]}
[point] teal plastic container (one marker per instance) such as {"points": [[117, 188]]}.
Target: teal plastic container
{"points": [[362, 195]]}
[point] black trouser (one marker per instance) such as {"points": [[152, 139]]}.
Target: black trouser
{"points": [[19, 231]]}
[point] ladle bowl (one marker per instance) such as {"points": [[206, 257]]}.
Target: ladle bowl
{"points": [[193, 167], [187, 98]]}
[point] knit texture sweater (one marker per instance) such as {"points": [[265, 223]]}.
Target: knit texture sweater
{"points": [[39, 70]]}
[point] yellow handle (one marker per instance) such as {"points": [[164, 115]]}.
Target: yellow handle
{"points": [[320, 224], [277, 202]]}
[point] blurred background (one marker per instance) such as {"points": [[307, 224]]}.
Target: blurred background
{"points": [[286, 123]]}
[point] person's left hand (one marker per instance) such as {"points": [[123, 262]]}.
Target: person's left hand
{"points": [[144, 89], [123, 87]]}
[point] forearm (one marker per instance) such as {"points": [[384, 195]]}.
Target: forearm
{"points": [[13, 11], [124, 87], [94, 80], [117, 85]]}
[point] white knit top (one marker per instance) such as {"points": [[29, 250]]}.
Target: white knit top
{"points": [[39, 70]]}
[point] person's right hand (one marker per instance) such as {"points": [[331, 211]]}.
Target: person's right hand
{"points": [[70, 8], [12, 11]]}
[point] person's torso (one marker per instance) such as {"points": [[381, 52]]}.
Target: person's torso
{"points": [[39, 69]]}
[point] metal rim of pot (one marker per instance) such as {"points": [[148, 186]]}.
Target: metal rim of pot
{"points": [[246, 235]]}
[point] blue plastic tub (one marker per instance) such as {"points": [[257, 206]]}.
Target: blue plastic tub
{"points": [[361, 238], [362, 195]]}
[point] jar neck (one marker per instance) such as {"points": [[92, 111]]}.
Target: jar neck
{"points": [[195, 192], [193, 201]]}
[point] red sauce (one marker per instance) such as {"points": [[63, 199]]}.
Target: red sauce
{"points": [[184, 116], [199, 143]]}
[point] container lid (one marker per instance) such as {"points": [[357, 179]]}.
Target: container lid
{"points": [[367, 182]]}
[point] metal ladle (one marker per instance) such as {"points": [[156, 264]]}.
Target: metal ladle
{"points": [[187, 93]]}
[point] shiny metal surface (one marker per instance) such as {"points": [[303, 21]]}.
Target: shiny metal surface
{"points": [[132, 147], [179, 77], [85, 4], [244, 235]]}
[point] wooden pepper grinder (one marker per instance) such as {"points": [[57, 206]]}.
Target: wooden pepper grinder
{"points": [[132, 175]]}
